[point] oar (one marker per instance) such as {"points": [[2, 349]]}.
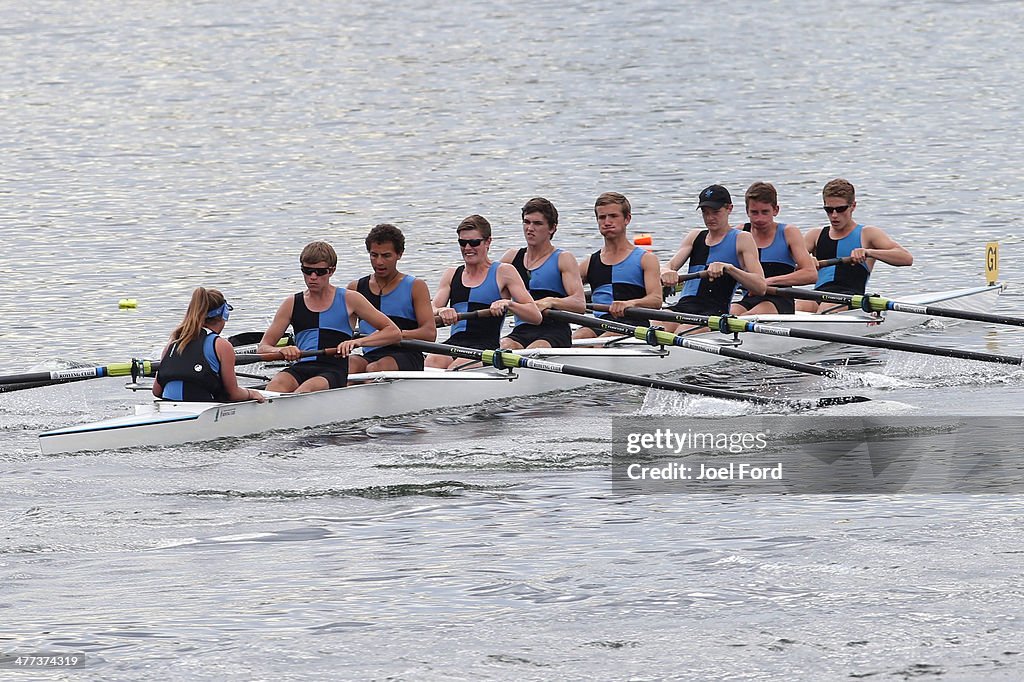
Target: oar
{"points": [[833, 261], [134, 368], [250, 358], [660, 337], [505, 359], [470, 315], [729, 324], [667, 291], [874, 304], [116, 369]]}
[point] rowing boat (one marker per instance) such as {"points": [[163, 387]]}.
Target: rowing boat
{"points": [[386, 394]]}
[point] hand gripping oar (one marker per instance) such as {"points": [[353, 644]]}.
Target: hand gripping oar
{"points": [[668, 290], [250, 358], [506, 359], [727, 324], [656, 337], [877, 304], [833, 261], [470, 315]]}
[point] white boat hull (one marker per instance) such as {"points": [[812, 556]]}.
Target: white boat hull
{"points": [[167, 423]]}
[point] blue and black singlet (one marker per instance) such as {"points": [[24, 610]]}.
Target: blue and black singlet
{"points": [[845, 278], [623, 281], [480, 332], [193, 375], [543, 282], [776, 258], [703, 296], [396, 304], [316, 331]]}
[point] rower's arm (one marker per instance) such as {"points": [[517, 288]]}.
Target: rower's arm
{"points": [[226, 355], [427, 329], [751, 276], [806, 271], [283, 318], [652, 283], [670, 273], [811, 241], [584, 267], [387, 332], [444, 291], [880, 246], [574, 300], [519, 300]]}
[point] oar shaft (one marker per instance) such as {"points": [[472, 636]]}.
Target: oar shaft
{"points": [[76, 374], [250, 358], [879, 304], [469, 315], [661, 337], [512, 361], [833, 261], [736, 325]]}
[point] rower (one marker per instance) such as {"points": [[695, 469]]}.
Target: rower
{"points": [[551, 275], [322, 318], [403, 298], [780, 248], [844, 237], [479, 284], [727, 255], [198, 365], [620, 275]]}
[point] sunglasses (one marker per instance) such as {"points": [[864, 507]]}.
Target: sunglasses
{"points": [[835, 209], [471, 242], [320, 272]]}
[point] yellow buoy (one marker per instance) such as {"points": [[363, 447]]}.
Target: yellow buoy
{"points": [[126, 303]]}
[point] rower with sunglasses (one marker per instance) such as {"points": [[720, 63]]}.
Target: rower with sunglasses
{"points": [[479, 284], [844, 237], [323, 317]]}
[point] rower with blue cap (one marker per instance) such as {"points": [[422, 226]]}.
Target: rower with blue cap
{"points": [[198, 365], [723, 256]]}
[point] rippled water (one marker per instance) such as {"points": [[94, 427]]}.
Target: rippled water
{"points": [[149, 149]]}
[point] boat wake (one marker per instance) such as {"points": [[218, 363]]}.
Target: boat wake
{"points": [[918, 370], [867, 380], [671, 403], [873, 408], [375, 492]]}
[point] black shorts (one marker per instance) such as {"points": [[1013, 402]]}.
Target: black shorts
{"points": [[557, 334], [833, 288], [629, 319], [693, 305], [783, 304], [467, 340], [335, 372], [407, 360]]}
